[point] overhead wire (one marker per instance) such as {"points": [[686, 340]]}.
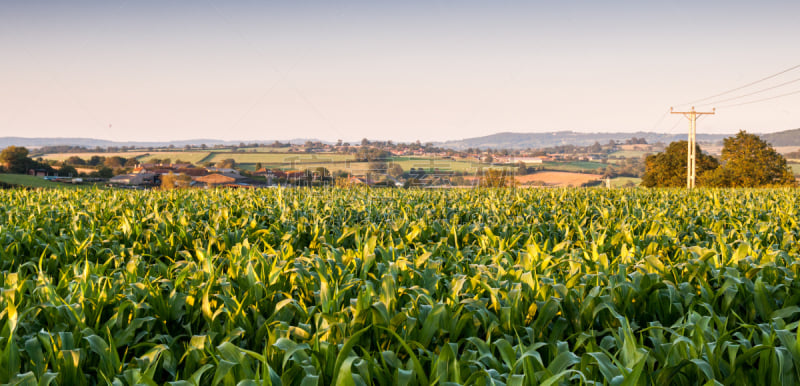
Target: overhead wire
{"points": [[743, 86], [754, 92], [760, 100]]}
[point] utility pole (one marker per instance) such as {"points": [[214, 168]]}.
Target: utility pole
{"points": [[690, 165]]}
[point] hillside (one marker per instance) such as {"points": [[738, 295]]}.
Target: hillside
{"points": [[783, 138], [549, 139], [92, 142], [505, 140]]}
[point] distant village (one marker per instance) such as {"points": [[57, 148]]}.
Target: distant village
{"points": [[369, 163]]}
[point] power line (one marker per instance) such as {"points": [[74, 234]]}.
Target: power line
{"points": [[741, 87], [761, 100], [754, 92]]}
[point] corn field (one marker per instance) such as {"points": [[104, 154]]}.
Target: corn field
{"points": [[400, 287]]}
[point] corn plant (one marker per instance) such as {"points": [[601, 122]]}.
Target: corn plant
{"points": [[408, 287]]}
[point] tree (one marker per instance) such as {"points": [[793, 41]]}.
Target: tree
{"points": [[749, 161], [522, 168], [395, 170], [68, 171], [104, 172], [668, 169], [95, 160], [16, 159], [114, 162], [228, 163], [75, 160], [496, 178], [172, 181], [378, 166]]}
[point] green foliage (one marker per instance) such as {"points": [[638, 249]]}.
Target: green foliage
{"points": [[103, 172], [497, 178], [114, 162], [668, 169], [173, 181], [228, 163], [395, 170], [379, 286], [67, 171], [15, 159], [748, 161]]}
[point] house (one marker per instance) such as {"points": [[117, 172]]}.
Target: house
{"points": [[215, 179], [194, 172], [295, 175], [359, 181], [38, 172], [222, 170], [274, 173]]}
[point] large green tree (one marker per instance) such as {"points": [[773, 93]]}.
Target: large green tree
{"points": [[15, 159], [668, 169], [749, 161]]}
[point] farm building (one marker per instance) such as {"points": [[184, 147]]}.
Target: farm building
{"points": [[215, 179]]}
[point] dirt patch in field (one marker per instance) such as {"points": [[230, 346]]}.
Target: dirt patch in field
{"points": [[558, 178]]}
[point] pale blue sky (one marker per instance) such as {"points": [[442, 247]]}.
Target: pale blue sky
{"points": [[428, 70]]}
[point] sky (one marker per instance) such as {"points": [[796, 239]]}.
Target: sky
{"points": [[413, 70]]}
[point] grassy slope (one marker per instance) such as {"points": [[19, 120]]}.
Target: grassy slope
{"points": [[622, 181], [29, 181], [576, 166]]}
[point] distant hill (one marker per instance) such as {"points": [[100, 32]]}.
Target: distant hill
{"points": [[549, 139], [540, 140], [783, 138], [91, 142], [494, 141]]}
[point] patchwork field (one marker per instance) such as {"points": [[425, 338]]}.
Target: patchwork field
{"points": [[387, 286], [795, 168], [142, 156], [574, 166], [86, 156], [559, 178], [194, 157], [23, 180], [619, 182]]}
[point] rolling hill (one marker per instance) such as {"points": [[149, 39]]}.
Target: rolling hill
{"points": [[539, 140], [783, 138]]}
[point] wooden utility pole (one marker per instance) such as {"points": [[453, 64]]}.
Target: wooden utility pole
{"points": [[690, 166]]}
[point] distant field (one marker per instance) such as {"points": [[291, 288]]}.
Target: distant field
{"points": [[273, 158], [31, 181], [622, 181], [86, 156], [795, 168], [559, 178], [575, 166], [442, 164], [142, 156], [194, 157], [262, 149], [344, 162], [629, 153], [787, 149]]}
